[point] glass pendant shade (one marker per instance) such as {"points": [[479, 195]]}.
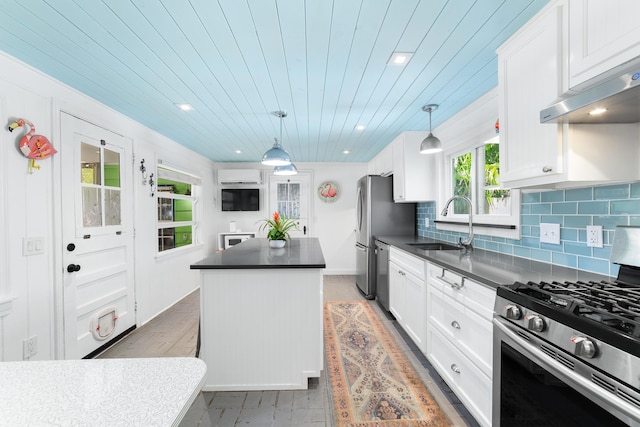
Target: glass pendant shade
{"points": [[289, 169], [430, 144], [276, 156]]}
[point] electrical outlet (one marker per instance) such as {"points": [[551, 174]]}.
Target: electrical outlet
{"points": [[426, 223], [550, 233], [29, 347], [594, 236]]}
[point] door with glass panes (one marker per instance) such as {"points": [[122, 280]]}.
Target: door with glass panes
{"points": [[97, 232], [289, 196]]}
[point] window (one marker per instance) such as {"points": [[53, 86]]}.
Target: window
{"points": [[100, 182], [475, 173], [176, 217], [288, 199]]}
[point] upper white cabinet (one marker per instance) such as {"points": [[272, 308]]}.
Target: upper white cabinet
{"points": [[530, 70], [382, 164], [602, 35], [532, 73], [414, 174]]}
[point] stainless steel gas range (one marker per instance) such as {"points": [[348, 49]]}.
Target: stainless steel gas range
{"points": [[568, 353]]}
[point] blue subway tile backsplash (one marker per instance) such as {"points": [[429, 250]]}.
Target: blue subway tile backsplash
{"points": [[573, 209]]}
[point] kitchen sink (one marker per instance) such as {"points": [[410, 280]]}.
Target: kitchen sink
{"points": [[434, 246]]}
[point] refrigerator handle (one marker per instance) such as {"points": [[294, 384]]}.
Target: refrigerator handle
{"points": [[361, 248], [359, 210]]}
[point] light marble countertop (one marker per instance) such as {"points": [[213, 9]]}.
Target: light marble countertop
{"points": [[99, 392]]}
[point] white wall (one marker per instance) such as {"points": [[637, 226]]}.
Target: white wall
{"points": [[333, 223], [30, 206]]}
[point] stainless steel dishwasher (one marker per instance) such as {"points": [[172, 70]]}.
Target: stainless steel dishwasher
{"points": [[382, 274]]}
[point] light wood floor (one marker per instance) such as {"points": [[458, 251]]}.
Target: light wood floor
{"points": [[174, 333]]}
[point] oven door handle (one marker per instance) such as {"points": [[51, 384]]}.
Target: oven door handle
{"points": [[581, 384]]}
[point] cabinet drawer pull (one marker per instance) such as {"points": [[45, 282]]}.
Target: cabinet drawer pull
{"points": [[547, 169], [455, 324], [455, 368], [451, 283]]}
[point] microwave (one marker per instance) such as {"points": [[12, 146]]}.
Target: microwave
{"points": [[234, 239]]}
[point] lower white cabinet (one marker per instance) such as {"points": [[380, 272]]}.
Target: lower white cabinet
{"points": [[408, 295], [470, 384], [460, 337]]}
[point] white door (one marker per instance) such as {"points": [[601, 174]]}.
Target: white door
{"points": [[97, 233], [290, 196]]}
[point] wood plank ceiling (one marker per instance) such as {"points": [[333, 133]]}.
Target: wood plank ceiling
{"points": [[236, 61]]}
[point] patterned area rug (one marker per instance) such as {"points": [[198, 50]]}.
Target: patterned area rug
{"points": [[371, 383]]}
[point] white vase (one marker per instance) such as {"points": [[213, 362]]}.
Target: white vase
{"points": [[276, 243]]}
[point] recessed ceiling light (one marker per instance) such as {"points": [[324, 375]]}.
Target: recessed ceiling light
{"points": [[346, 151], [597, 111], [360, 127], [238, 151], [184, 107], [399, 58]]}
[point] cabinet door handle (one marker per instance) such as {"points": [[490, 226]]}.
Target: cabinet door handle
{"points": [[455, 324], [547, 169], [455, 368], [451, 283]]}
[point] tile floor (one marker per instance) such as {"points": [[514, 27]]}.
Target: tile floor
{"points": [[174, 333]]}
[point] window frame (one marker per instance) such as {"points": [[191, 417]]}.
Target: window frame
{"points": [[173, 174], [493, 225]]}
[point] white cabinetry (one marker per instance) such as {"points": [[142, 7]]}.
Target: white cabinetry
{"points": [[532, 74], [602, 35], [408, 295], [414, 175], [460, 337], [382, 163]]}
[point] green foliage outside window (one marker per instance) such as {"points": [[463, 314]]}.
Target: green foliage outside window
{"points": [[492, 173], [462, 173]]}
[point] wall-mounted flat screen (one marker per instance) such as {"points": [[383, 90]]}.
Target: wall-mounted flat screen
{"points": [[240, 199]]}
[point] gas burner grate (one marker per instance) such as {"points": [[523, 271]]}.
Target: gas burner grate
{"points": [[610, 304]]}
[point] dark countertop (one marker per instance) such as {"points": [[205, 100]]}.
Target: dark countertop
{"points": [[491, 268], [256, 253]]}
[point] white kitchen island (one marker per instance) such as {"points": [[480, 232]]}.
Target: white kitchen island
{"points": [[261, 315], [100, 392]]}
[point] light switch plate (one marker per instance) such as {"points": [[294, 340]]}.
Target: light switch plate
{"points": [[32, 246], [550, 233], [594, 236]]}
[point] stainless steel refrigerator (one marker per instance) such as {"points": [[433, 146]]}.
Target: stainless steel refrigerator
{"points": [[377, 215]]}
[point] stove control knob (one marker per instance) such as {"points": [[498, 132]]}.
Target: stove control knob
{"points": [[584, 347], [535, 323], [512, 312]]}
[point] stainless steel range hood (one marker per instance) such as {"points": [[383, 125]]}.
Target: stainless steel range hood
{"points": [[619, 95]]}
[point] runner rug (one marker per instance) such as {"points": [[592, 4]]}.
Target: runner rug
{"points": [[371, 384]]}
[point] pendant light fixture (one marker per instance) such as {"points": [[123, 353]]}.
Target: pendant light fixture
{"points": [[289, 169], [431, 144], [276, 156]]}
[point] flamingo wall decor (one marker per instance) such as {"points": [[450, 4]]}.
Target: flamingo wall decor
{"points": [[328, 191], [34, 147]]}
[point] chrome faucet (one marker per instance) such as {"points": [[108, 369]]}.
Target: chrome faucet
{"points": [[467, 242]]}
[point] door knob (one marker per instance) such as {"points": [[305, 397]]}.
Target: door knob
{"points": [[73, 267]]}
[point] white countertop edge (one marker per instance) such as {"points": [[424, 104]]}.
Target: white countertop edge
{"points": [[191, 398]]}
